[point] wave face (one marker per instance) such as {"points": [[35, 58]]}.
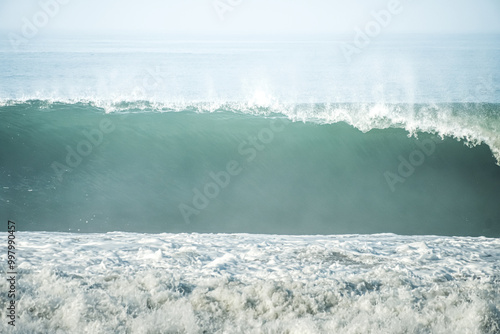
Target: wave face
{"points": [[216, 283], [96, 166]]}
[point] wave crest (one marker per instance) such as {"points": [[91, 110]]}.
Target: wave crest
{"points": [[472, 123]]}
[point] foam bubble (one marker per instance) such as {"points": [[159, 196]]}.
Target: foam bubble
{"points": [[194, 283]]}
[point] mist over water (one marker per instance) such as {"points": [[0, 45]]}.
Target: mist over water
{"points": [[396, 69], [193, 107], [178, 136], [168, 172], [281, 183]]}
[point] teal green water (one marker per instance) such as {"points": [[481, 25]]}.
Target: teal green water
{"points": [[73, 167]]}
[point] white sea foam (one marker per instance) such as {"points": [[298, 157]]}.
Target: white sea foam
{"points": [[240, 283]]}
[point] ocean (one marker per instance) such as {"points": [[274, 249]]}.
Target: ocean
{"points": [[259, 186]]}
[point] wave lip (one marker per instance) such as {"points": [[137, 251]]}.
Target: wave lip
{"points": [[472, 123]]}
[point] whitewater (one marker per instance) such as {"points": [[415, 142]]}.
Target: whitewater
{"points": [[243, 283]]}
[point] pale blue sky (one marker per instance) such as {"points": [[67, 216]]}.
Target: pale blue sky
{"points": [[250, 16]]}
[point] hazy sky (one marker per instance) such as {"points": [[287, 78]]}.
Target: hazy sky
{"points": [[228, 17]]}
